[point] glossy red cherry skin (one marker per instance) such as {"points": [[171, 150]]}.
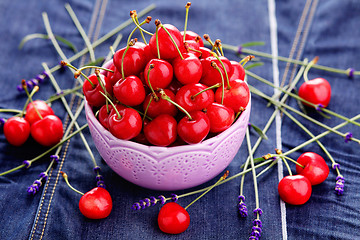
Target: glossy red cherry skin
{"points": [[220, 116], [173, 218], [112, 78], [205, 52], [126, 127], [295, 189], [167, 48], [211, 76], [185, 97], [190, 35], [92, 94], [239, 71], [187, 70], [134, 59], [160, 106], [160, 76], [16, 130], [316, 169], [43, 108], [237, 97], [316, 91], [192, 47], [194, 130], [47, 131], [96, 204], [129, 91], [161, 131]]}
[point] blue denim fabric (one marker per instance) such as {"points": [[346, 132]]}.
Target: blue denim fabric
{"points": [[53, 212]]}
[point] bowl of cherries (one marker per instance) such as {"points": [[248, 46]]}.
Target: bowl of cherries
{"points": [[169, 114]]}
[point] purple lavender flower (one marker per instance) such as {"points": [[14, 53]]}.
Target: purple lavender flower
{"points": [[256, 229], [339, 187], [243, 211], [239, 50], [34, 188], [351, 72], [348, 137], [54, 158], [319, 107], [257, 211], [174, 197]]}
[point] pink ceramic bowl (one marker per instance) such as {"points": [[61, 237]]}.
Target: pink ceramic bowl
{"points": [[168, 168]]}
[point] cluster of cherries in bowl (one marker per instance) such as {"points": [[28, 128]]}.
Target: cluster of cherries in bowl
{"points": [[40, 122], [171, 91]]}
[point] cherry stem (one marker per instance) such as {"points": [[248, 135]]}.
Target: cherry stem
{"points": [[131, 43], [96, 67], [147, 107], [63, 63], [173, 41], [133, 31], [223, 66], [219, 46], [208, 88], [157, 41], [167, 98], [207, 38], [187, 6], [112, 104], [133, 16], [314, 61], [151, 66], [246, 59], [214, 65], [35, 89], [292, 160], [65, 176], [194, 50], [222, 178]]}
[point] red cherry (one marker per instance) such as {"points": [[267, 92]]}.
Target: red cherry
{"points": [[161, 131], [185, 97], [16, 130], [96, 204], [295, 189], [190, 35], [173, 218], [239, 71], [205, 52], [127, 126], [187, 70], [129, 91], [160, 76], [194, 130], [315, 168], [92, 93], [210, 75], [236, 97], [166, 46], [160, 106], [43, 108], [220, 116], [134, 59], [112, 78], [316, 91], [47, 131], [103, 115]]}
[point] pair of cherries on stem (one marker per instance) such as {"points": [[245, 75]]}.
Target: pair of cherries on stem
{"points": [[94, 204], [296, 189], [39, 122]]}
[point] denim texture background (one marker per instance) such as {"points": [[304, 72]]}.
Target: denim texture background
{"points": [[53, 212]]}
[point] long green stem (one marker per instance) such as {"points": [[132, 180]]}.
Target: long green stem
{"points": [[65, 176]]}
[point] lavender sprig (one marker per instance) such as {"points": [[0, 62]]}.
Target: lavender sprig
{"points": [[339, 187], [243, 211]]}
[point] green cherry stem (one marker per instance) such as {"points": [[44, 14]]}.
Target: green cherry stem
{"points": [[314, 61], [65, 176], [113, 46], [223, 66], [133, 16], [172, 39], [131, 43], [157, 23], [30, 95], [207, 38], [113, 105], [187, 6], [167, 98], [214, 65], [219, 46], [206, 89], [151, 66], [222, 178], [77, 72]]}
